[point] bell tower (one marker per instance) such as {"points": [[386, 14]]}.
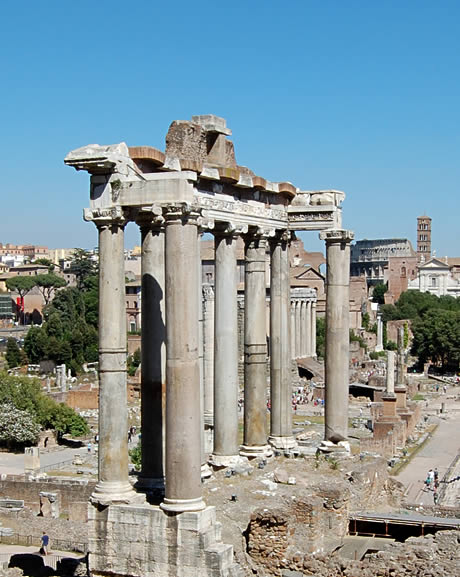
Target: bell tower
{"points": [[423, 239]]}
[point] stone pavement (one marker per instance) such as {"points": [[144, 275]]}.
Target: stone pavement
{"points": [[440, 451], [13, 463]]}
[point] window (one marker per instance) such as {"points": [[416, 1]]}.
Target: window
{"points": [[434, 282]]}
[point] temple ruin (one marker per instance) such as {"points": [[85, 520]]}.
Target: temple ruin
{"points": [[196, 186]]}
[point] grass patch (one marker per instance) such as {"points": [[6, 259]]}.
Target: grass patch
{"points": [[418, 397]]}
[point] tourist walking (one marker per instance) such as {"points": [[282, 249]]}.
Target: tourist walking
{"points": [[44, 544]]}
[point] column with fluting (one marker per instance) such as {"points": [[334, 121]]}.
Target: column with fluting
{"points": [[308, 352], [113, 484], [280, 357], [337, 333], [183, 402], [153, 355], [255, 349], [292, 342], [226, 384]]}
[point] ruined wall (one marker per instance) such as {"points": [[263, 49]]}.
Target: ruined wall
{"points": [[436, 556], [72, 495], [28, 528], [307, 523]]}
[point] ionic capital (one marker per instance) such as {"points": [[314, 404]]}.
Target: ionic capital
{"points": [[281, 237], [336, 235], [150, 218], [230, 229], [181, 212], [115, 215]]}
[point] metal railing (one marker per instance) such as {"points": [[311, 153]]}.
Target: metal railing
{"points": [[30, 540]]}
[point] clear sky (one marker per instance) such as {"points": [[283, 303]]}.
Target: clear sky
{"points": [[357, 95]]}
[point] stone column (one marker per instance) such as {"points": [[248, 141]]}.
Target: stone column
{"points": [[293, 329], [389, 397], [400, 380], [303, 328], [113, 484], [400, 389], [280, 358], [153, 355], [390, 376], [225, 352], [255, 350], [208, 365], [313, 329], [183, 431], [297, 329], [337, 333], [379, 346], [308, 352], [206, 430]]}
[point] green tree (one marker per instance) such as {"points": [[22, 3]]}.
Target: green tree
{"points": [[365, 321], [13, 353], [26, 395], [83, 266], [136, 456], [21, 285], [378, 294], [17, 428], [48, 284], [133, 362], [36, 344], [320, 336], [46, 262], [437, 337]]}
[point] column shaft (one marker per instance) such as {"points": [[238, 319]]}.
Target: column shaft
{"points": [[337, 333], [292, 331], [183, 403], [208, 352], [113, 482], [313, 329], [153, 354], [255, 349], [280, 358], [297, 330], [225, 349], [303, 328], [308, 350]]}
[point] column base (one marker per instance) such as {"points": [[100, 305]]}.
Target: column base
{"points": [[150, 484], [283, 443], [110, 493], [182, 505], [221, 461], [253, 451]]}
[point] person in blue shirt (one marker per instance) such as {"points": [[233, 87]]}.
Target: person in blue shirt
{"points": [[45, 542]]}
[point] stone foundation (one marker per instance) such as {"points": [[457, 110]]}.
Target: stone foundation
{"points": [[145, 541]]}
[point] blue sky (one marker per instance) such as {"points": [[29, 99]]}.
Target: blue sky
{"points": [[361, 96]]}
